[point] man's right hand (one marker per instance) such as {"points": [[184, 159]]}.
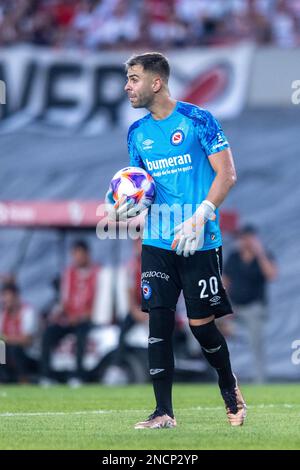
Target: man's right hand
{"points": [[121, 210]]}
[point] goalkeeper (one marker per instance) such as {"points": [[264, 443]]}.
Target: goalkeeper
{"points": [[185, 150]]}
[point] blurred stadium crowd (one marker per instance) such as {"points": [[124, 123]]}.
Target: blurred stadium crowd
{"points": [[65, 343], [30, 336], [115, 24]]}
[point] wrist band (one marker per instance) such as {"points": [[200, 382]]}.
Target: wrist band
{"points": [[210, 204]]}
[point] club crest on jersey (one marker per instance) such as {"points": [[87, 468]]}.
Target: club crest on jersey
{"points": [[177, 137], [146, 289]]}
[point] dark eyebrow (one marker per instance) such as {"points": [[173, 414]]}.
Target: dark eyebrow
{"points": [[133, 75]]}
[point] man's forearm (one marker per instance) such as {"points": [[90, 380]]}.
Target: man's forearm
{"points": [[18, 340], [220, 187]]}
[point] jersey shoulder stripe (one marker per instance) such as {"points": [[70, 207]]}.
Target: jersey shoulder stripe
{"points": [[197, 114], [209, 130]]}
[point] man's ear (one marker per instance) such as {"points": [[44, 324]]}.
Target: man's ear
{"points": [[157, 84]]}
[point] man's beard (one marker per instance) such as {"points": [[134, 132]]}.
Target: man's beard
{"points": [[142, 102]]}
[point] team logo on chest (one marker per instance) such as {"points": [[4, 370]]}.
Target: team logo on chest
{"points": [[177, 137]]}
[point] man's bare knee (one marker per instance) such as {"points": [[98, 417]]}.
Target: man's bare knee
{"points": [[201, 321]]}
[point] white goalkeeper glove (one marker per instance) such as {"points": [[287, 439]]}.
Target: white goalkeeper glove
{"points": [[125, 208], [189, 235]]}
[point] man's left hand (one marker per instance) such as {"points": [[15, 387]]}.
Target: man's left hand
{"points": [[189, 235]]}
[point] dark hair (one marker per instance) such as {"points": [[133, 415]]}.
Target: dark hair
{"points": [[10, 287], [248, 229], [80, 244], [152, 62]]}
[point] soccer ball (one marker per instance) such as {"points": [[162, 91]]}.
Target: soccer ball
{"points": [[134, 183]]}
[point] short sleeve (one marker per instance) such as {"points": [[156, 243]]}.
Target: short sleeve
{"points": [[211, 135]]}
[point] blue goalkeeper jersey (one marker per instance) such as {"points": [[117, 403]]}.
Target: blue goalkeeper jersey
{"points": [[175, 151]]}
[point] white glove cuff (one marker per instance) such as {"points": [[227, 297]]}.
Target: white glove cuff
{"points": [[208, 209]]}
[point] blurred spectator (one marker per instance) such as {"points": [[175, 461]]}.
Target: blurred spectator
{"points": [[106, 24], [73, 314], [120, 26], [114, 374], [246, 274], [158, 15], [284, 32], [135, 299], [17, 328]]}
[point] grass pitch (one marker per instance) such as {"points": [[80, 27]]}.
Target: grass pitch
{"points": [[97, 417]]}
